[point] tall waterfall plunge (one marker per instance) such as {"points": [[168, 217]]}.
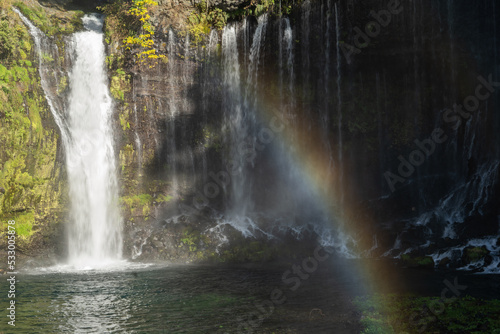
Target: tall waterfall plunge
{"points": [[94, 230]]}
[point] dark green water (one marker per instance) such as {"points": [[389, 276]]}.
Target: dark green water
{"points": [[214, 299], [180, 299]]}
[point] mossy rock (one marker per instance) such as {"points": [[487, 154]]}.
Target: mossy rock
{"points": [[473, 254], [425, 262]]}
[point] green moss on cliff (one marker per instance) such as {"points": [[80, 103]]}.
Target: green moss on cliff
{"points": [[141, 204], [418, 261], [473, 254], [51, 24], [29, 176]]}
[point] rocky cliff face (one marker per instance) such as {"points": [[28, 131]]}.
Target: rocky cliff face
{"points": [[32, 177], [286, 129], [376, 80]]}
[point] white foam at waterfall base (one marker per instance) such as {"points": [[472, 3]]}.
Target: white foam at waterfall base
{"points": [[112, 266]]}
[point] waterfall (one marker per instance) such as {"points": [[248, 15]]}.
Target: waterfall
{"points": [[240, 114], [48, 79], [339, 108], [207, 91], [232, 103], [326, 117], [95, 230], [291, 82], [306, 11], [253, 67], [497, 73], [188, 154], [173, 111], [288, 37], [245, 28], [139, 152], [280, 57]]}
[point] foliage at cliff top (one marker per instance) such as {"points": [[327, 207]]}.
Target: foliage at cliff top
{"points": [[201, 21], [259, 7], [51, 23], [204, 18], [131, 22]]}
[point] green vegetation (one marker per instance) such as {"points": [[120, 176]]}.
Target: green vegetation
{"points": [[120, 84], [134, 203], [24, 225], [474, 254], [162, 198], [29, 177], [210, 138], [63, 84], [140, 205], [51, 25], [387, 314], [124, 117], [257, 8], [128, 25], [201, 21], [417, 261], [191, 239]]}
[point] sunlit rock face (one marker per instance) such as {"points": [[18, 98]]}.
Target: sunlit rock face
{"points": [[369, 92]]}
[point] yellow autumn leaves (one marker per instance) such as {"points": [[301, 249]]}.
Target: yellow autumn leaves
{"points": [[140, 10]]}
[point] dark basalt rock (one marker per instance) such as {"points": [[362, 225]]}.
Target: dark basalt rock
{"points": [[456, 258], [444, 263], [415, 236], [477, 227]]}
